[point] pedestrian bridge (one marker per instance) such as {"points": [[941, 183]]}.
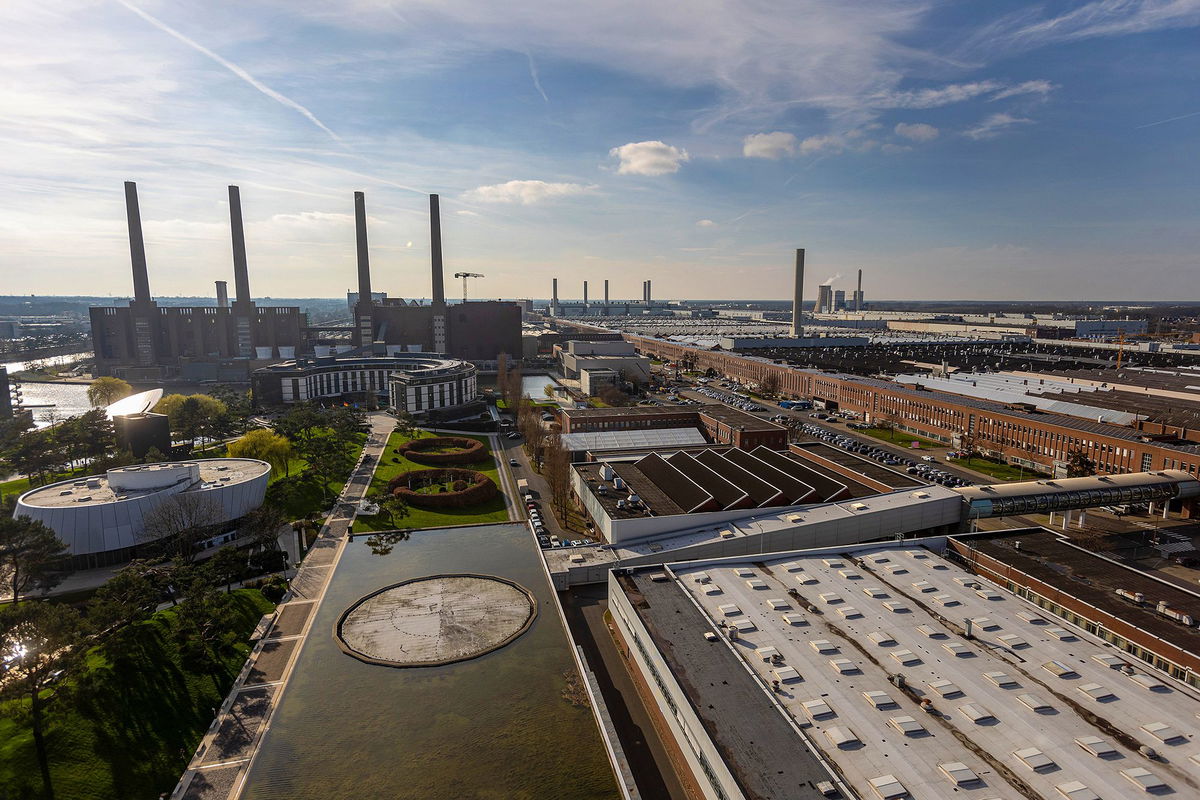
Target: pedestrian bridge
{"points": [[1065, 494]]}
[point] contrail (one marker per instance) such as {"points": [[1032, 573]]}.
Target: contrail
{"points": [[234, 68], [1165, 121], [533, 73]]}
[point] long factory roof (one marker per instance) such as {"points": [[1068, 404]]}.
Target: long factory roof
{"points": [[1015, 708]]}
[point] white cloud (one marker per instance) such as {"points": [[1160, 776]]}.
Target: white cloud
{"points": [[648, 158], [525, 192], [462, 212], [1028, 87], [995, 125], [705, 223], [895, 149], [917, 131], [822, 144], [1026, 29], [769, 145], [936, 97]]}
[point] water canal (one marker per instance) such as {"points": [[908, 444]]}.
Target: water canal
{"points": [[500, 726]]}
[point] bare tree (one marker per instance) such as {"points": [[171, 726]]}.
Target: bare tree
{"points": [[181, 523], [557, 472], [769, 385]]}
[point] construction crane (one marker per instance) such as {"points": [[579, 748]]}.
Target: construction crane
{"points": [[464, 276]]}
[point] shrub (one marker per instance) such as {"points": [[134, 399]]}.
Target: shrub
{"points": [[477, 488], [464, 450], [459, 485]]}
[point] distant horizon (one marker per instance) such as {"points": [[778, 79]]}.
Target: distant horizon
{"points": [[616, 301]]}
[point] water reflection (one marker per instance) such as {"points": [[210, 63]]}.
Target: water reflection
{"points": [[508, 725]]}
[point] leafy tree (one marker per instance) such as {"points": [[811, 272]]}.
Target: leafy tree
{"points": [[202, 625], [328, 459], [48, 638], [1079, 465], [405, 424], [179, 524], [226, 566], [300, 424], [106, 390], [154, 456], [391, 506], [191, 416], [346, 423], [31, 555], [264, 445], [128, 597]]}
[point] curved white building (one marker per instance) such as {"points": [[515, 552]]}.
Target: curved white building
{"points": [[418, 383], [100, 518]]}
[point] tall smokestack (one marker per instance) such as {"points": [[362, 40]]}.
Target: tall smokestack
{"points": [[435, 249], [858, 294], [554, 293], [585, 293], [222, 294], [606, 291], [649, 292], [798, 296], [241, 277], [137, 247], [364, 261], [644, 295]]}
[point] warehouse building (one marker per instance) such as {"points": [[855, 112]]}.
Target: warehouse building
{"points": [[720, 423], [890, 671], [101, 518], [1019, 433]]}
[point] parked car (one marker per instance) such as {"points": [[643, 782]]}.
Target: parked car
{"points": [[512, 462]]}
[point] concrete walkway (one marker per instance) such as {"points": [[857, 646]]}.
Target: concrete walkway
{"points": [[218, 768]]}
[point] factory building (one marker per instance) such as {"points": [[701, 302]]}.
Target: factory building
{"points": [[476, 331], [146, 342], [227, 341], [720, 423], [1017, 433], [101, 518], [924, 669]]}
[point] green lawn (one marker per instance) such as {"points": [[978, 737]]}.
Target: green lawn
{"points": [[303, 496], [900, 438], [16, 486], [135, 720], [998, 470], [492, 511]]}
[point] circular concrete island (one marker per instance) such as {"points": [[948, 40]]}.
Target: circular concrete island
{"points": [[441, 619]]}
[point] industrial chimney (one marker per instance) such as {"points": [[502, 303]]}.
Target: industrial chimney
{"points": [[585, 294], [241, 277], [798, 296], [435, 249], [222, 294], [363, 309], [858, 296], [649, 292], [364, 262], [137, 247], [606, 292], [554, 296]]}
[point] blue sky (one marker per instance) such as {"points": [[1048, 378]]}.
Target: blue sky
{"points": [[993, 150]]}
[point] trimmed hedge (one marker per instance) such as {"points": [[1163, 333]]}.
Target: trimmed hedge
{"points": [[468, 452], [479, 488]]}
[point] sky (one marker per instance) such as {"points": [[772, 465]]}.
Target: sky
{"points": [[950, 150]]}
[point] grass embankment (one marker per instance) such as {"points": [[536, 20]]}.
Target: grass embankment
{"points": [[15, 486], [998, 469], [391, 464], [134, 719], [899, 438]]}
